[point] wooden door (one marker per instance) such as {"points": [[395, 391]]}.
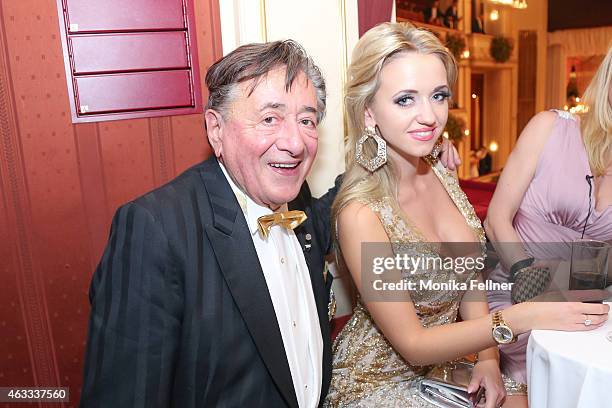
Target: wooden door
{"points": [[527, 71]]}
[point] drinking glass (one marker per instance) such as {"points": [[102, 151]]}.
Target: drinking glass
{"points": [[589, 264]]}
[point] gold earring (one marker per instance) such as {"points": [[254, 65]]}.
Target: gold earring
{"points": [[381, 151]]}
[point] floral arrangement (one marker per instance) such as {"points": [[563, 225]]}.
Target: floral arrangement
{"points": [[455, 44], [455, 127], [501, 48]]}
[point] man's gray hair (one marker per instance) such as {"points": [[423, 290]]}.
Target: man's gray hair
{"points": [[254, 61]]}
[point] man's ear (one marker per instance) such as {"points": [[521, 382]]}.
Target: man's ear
{"points": [[368, 118], [214, 130]]}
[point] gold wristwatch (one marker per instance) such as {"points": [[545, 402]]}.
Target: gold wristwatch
{"points": [[502, 333]]}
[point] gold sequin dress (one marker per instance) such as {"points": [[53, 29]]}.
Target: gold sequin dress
{"points": [[367, 371]]}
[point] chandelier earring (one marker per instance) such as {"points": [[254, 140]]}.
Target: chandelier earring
{"points": [[381, 152]]}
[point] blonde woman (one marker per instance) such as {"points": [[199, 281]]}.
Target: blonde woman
{"points": [[397, 95], [534, 204]]}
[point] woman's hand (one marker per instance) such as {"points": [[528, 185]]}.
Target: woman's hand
{"points": [[566, 316], [449, 156], [486, 374]]}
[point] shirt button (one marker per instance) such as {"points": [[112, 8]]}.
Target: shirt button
{"points": [[306, 386], [282, 260], [294, 323]]}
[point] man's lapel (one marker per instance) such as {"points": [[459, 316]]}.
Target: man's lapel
{"points": [[237, 258]]}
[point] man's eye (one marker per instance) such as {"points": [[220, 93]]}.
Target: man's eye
{"points": [[308, 122], [269, 119]]}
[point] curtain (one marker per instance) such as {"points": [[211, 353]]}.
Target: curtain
{"points": [[582, 42], [372, 12], [571, 43]]}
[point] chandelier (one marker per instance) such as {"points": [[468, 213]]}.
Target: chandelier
{"points": [[519, 4]]}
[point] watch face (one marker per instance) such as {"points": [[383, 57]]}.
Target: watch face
{"points": [[503, 334]]}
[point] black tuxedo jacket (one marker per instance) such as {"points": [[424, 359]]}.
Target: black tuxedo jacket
{"points": [[180, 311]]}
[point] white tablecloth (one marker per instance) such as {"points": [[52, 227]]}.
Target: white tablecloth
{"points": [[570, 369]]}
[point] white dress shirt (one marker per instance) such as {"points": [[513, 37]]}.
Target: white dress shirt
{"points": [[288, 281]]}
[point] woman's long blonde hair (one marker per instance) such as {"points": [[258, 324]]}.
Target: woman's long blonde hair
{"points": [[378, 46], [596, 124]]}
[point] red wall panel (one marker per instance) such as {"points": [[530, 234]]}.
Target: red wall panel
{"points": [[129, 52], [60, 184], [114, 51], [134, 91], [117, 15]]}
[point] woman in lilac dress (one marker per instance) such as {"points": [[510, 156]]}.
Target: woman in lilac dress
{"points": [[556, 188]]}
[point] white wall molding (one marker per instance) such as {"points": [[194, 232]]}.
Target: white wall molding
{"points": [[242, 22]]}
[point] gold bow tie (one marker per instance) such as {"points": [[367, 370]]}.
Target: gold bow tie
{"points": [[287, 219]]}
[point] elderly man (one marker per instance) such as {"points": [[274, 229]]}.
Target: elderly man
{"points": [[211, 289]]}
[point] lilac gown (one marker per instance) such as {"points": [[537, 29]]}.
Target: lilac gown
{"points": [[553, 209]]}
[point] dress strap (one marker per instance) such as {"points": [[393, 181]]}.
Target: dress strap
{"points": [[564, 114], [451, 185]]}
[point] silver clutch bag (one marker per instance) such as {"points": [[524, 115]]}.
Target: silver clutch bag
{"points": [[446, 386]]}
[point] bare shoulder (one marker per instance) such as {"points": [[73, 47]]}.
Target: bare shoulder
{"points": [[357, 214], [358, 224], [357, 220], [538, 128], [533, 138]]}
